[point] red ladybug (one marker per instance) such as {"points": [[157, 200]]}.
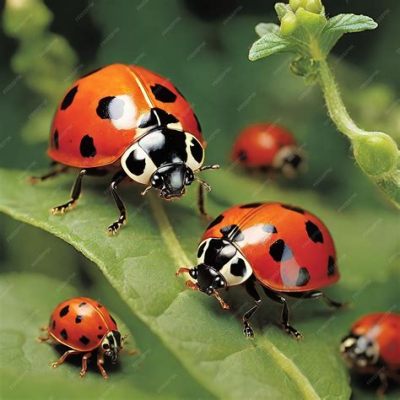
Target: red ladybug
{"points": [[134, 123], [285, 249], [268, 147], [373, 347], [84, 326]]}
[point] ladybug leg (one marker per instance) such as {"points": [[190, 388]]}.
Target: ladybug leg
{"points": [[201, 202], [85, 358], [100, 363], [285, 312], [117, 179], [384, 383], [252, 291], [51, 174], [64, 357], [75, 193]]}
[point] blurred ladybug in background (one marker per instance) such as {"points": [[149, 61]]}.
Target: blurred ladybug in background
{"points": [[373, 347], [84, 326], [285, 249], [268, 147], [129, 121]]}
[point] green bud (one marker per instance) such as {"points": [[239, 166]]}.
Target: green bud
{"points": [[314, 6], [376, 153], [295, 4], [288, 24]]}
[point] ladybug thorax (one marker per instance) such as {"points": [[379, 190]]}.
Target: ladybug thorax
{"points": [[224, 257], [111, 345]]}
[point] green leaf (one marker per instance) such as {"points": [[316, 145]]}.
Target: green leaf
{"points": [[340, 24], [263, 28], [140, 263], [267, 45]]}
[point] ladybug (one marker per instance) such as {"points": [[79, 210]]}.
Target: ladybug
{"points": [[133, 123], [84, 326], [373, 347], [268, 147], [285, 249]]}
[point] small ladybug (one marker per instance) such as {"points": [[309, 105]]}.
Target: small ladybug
{"points": [[285, 249], [268, 147], [129, 121], [373, 347], [84, 326]]}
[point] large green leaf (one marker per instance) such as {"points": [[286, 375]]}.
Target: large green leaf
{"points": [[140, 264]]}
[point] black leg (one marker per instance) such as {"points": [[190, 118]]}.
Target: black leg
{"points": [[252, 291], [285, 312], [201, 201], [117, 179], [75, 193], [316, 294], [383, 384], [51, 174]]}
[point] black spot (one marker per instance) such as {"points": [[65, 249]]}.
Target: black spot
{"points": [[196, 150], [293, 208], [78, 319], [276, 250], [165, 146], [53, 325], [85, 340], [86, 147], [69, 98], [82, 304], [201, 249], [242, 155], [232, 232], [216, 221], [55, 142], [251, 205], [100, 336], [238, 268], [303, 278], [100, 327], [99, 305], [64, 311], [197, 122], [269, 228], [157, 117], [113, 320], [218, 253], [64, 334], [314, 233], [91, 72], [161, 93], [115, 111], [135, 164], [331, 266]]}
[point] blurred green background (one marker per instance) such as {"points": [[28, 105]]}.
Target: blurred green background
{"points": [[202, 46]]}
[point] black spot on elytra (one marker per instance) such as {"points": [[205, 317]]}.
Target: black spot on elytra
{"points": [[197, 122], [216, 221], [233, 232], [86, 147], [55, 140], [99, 336], [84, 340], [91, 72], [99, 305], [331, 266], [162, 93], [157, 117], [238, 268], [82, 304], [269, 228], [64, 311], [251, 205], [69, 98], [201, 249], [53, 325], [293, 208], [196, 150], [100, 327], [78, 319], [314, 233], [113, 320], [135, 164], [279, 251], [64, 334], [218, 253], [303, 277], [110, 107], [242, 155]]}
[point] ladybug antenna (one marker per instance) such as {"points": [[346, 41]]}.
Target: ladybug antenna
{"points": [[203, 183], [205, 167], [224, 305], [146, 190]]}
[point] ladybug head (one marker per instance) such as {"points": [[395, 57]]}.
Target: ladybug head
{"points": [[208, 279], [289, 160], [111, 345], [359, 351]]}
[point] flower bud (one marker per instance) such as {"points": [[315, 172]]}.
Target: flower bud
{"points": [[314, 6], [288, 24]]}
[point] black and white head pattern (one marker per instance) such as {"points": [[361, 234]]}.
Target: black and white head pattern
{"points": [[225, 258], [159, 147], [289, 160]]}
